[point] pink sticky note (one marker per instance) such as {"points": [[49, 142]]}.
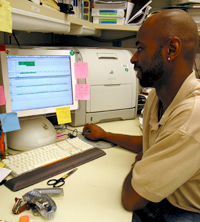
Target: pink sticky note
{"points": [[81, 70], [60, 136], [2, 97], [82, 92]]}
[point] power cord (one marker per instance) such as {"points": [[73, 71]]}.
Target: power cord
{"points": [[73, 134]]}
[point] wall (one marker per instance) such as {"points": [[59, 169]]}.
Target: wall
{"points": [[107, 39]]}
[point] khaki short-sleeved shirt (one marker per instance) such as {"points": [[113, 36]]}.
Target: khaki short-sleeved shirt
{"points": [[170, 167]]}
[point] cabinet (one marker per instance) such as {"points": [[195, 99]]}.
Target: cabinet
{"points": [[31, 17]]}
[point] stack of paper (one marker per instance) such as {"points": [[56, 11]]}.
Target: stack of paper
{"points": [[176, 2], [109, 12], [53, 4], [137, 12], [110, 4]]}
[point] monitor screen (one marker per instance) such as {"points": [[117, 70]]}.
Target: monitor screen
{"points": [[37, 81]]}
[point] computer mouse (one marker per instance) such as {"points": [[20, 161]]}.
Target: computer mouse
{"points": [[86, 131], [103, 145], [97, 144]]}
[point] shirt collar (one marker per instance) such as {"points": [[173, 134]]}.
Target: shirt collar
{"points": [[186, 88]]}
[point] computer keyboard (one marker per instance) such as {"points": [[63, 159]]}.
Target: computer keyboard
{"points": [[43, 156], [36, 165]]}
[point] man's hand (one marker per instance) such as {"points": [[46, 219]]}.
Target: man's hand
{"points": [[93, 132]]}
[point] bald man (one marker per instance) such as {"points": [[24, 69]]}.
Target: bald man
{"points": [[164, 184]]}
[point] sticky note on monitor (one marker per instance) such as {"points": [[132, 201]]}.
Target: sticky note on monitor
{"points": [[6, 17], [63, 115], [9, 122], [81, 70], [82, 92], [2, 96]]}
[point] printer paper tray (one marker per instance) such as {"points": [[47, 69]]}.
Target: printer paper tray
{"points": [[110, 97]]}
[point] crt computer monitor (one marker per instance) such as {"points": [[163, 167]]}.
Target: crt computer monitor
{"points": [[36, 82]]}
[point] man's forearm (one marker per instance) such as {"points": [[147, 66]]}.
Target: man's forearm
{"points": [[94, 132], [131, 200], [132, 143]]}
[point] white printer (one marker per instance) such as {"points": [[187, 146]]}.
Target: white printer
{"points": [[113, 86]]}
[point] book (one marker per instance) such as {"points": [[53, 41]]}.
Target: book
{"points": [[76, 8], [137, 12], [108, 20], [86, 10], [108, 12], [110, 4], [51, 3], [36, 1], [50, 7]]}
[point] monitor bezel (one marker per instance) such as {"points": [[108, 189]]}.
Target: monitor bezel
{"points": [[5, 79]]}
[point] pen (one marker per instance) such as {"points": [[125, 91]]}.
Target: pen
{"points": [[5, 145]]}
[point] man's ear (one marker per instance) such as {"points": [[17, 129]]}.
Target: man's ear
{"points": [[173, 47]]}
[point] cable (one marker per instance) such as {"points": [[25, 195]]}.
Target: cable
{"points": [[71, 135], [16, 40]]}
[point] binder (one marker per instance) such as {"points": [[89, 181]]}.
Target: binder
{"points": [[108, 12], [108, 20], [137, 12]]}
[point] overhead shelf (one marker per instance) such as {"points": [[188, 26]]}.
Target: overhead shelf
{"points": [[131, 28], [31, 17], [32, 22]]}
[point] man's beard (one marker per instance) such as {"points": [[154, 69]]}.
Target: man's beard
{"points": [[156, 70]]}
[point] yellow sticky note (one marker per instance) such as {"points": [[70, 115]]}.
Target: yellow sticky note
{"points": [[2, 164], [5, 16], [63, 115]]}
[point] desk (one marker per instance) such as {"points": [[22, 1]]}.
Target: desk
{"points": [[93, 193]]}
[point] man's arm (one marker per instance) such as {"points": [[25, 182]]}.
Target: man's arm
{"points": [[132, 143], [131, 200]]}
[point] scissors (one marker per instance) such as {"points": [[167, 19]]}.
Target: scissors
{"points": [[60, 182]]}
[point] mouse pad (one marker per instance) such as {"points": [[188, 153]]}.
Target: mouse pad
{"points": [[97, 144]]}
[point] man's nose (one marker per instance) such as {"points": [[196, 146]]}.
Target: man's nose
{"points": [[134, 58]]}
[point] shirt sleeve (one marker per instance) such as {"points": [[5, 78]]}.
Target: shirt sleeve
{"points": [[165, 166]]}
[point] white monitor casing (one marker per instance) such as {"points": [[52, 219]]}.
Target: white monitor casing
{"points": [[36, 130]]}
